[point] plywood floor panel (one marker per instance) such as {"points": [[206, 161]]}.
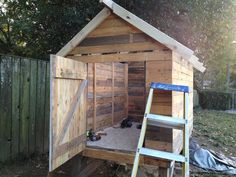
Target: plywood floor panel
{"points": [[124, 139]]}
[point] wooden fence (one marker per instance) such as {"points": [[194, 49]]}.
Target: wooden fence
{"points": [[24, 106]]}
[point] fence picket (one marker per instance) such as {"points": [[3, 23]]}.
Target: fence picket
{"points": [[5, 108], [40, 106], [33, 83], [24, 110], [15, 106], [24, 105]]}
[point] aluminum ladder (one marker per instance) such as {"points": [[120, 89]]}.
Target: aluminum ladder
{"points": [[168, 122]]}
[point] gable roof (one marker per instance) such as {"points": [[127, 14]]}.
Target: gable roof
{"points": [[143, 26]]}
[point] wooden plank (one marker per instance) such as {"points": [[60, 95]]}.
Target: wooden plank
{"points": [[140, 46], [111, 40], [113, 82], [159, 145], [143, 56], [94, 96], [24, 105], [40, 107], [68, 69], [47, 110], [84, 32], [113, 31], [15, 107], [5, 108], [121, 157], [32, 100], [126, 90]]}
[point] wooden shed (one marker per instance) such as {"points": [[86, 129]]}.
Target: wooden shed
{"points": [[102, 76]]}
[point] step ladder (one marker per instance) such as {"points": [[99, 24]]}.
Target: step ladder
{"points": [[168, 122]]}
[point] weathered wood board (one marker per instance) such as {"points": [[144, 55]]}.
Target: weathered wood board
{"points": [[107, 94], [68, 109]]}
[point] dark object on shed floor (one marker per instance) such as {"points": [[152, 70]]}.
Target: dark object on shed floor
{"points": [[93, 136], [139, 126], [126, 123]]}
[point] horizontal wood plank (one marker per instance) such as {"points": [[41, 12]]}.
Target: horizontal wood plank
{"points": [[143, 56]]}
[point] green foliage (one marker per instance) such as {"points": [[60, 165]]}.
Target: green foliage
{"points": [[215, 100], [39, 28]]}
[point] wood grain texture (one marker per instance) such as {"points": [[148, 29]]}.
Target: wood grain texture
{"points": [[15, 120], [136, 90], [107, 97], [124, 57], [40, 106], [5, 108], [24, 104], [182, 74], [63, 93], [122, 157]]}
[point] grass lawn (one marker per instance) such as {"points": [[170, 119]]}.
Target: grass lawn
{"points": [[215, 130]]}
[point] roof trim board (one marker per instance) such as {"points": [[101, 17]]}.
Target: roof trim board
{"points": [[97, 20]]}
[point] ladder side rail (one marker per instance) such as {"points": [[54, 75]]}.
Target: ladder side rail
{"points": [[186, 136], [142, 134]]}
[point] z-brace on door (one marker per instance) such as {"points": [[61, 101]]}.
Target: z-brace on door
{"points": [[68, 95]]}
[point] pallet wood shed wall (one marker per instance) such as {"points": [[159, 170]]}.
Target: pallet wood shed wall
{"points": [[113, 39], [107, 94]]}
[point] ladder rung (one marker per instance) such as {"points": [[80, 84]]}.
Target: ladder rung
{"points": [[165, 121], [162, 155]]}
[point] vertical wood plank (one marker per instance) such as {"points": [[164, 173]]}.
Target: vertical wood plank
{"points": [[24, 105], [15, 106], [33, 83], [5, 108], [47, 110], [40, 106], [126, 90], [113, 81], [94, 97]]}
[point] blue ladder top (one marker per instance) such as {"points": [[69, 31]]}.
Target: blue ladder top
{"points": [[170, 87]]}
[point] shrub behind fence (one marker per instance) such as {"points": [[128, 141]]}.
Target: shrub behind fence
{"points": [[217, 100], [24, 106]]}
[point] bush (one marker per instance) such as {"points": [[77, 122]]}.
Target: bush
{"points": [[215, 100]]}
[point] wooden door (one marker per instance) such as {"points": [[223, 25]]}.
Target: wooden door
{"points": [[68, 95]]}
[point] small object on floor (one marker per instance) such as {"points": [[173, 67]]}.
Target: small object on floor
{"points": [[93, 136], [126, 123], [139, 126]]}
